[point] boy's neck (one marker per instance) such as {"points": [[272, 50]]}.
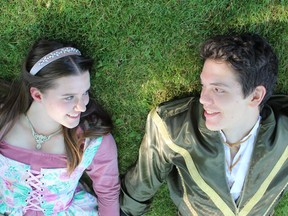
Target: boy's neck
{"points": [[240, 131]]}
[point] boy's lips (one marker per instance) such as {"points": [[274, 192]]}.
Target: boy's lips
{"points": [[210, 114]]}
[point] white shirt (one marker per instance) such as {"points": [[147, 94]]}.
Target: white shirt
{"points": [[236, 177]]}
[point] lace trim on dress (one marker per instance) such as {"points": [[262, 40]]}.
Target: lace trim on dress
{"points": [[35, 196]]}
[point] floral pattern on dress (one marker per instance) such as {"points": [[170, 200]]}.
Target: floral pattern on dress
{"points": [[57, 189]]}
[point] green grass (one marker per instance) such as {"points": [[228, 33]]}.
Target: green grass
{"points": [[145, 52]]}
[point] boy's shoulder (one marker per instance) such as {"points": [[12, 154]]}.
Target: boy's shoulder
{"points": [[175, 106]]}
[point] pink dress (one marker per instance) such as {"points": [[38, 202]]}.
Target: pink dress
{"points": [[32, 182]]}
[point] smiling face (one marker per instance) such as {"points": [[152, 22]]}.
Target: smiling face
{"points": [[225, 107], [65, 102]]}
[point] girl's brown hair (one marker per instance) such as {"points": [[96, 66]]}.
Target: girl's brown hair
{"points": [[15, 98]]}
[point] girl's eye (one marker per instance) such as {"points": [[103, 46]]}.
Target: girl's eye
{"points": [[69, 98], [86, 93]]}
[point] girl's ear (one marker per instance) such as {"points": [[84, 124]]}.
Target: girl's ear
{"points": [[36, 94], [258, 95]]}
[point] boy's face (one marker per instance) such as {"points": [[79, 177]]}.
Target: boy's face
{"points": [[224, 105]]}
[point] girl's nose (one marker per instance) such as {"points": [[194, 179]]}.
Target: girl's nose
{"points": [[80, 106]]}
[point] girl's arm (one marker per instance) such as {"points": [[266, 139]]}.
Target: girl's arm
{"points": [[105, 176]]}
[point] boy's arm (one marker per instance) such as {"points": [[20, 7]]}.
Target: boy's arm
{"points": [[142, 181]]}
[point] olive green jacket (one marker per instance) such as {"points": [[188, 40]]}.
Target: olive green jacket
{"points": [[179, 149]]}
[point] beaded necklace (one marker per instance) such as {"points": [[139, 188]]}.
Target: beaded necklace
{"points": [[40, 138]]}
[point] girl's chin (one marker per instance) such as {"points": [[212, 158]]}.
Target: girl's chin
{"points": [[71, 124]]}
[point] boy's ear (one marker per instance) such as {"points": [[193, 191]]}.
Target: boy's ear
{"points": [[36, 94], [257, 95]]}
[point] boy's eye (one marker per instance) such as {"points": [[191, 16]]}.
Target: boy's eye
{"points": [[219, 90], [86, 93]]}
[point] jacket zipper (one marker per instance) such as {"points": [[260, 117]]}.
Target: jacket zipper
{"points": [[234, 204], [224, 162], [248, 171], [237, 209], [244, 186]]}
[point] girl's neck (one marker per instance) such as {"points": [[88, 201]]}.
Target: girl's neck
{"points": [[40, 120]]}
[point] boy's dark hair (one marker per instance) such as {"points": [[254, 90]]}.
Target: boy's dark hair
{"points": [[251, 57]]}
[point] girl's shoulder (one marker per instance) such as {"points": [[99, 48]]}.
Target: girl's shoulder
{"points": [[106, 139], [105, 142]]}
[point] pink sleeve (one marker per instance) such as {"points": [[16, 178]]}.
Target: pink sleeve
{"points": [[105, 176]]}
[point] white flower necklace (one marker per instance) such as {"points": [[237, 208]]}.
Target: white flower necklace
{"points": [[40, 138]]}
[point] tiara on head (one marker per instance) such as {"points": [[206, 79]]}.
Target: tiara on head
{"points": [[52, 56]]}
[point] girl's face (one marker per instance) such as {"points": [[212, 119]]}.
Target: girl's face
{"points": [[65, 102]]}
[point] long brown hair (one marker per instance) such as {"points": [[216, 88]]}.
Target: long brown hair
{"points": [[15, 98]]}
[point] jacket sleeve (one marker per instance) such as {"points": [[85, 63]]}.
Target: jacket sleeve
{"points": [[104, 173], [141, 182]]}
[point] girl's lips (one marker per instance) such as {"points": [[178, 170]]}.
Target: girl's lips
{"points": [[74, 116]]}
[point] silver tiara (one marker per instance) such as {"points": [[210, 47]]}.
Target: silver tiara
{"points": [[52, 56]]}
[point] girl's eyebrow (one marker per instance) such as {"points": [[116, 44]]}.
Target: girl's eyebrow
{"points": [[69, 94]]}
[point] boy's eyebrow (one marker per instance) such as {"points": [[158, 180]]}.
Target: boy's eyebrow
{"points": [[219, 84]]}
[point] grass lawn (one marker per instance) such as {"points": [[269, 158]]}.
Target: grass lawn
{"points": [[145, 52]]}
